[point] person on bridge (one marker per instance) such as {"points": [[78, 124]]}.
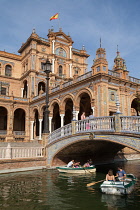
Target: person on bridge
{"points": [[91, 115], [110, 176], [121, 174], [83, 116]]}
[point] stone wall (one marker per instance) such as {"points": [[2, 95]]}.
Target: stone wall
{"points": [[22, 163]]}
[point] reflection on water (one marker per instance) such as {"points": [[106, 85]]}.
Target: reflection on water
{"points": [[50, 190], [113, 200]]}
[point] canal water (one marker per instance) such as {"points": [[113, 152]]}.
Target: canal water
{"points": [[49, 190]]}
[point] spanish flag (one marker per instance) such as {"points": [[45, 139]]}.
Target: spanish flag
{"points": [[54, 17]]}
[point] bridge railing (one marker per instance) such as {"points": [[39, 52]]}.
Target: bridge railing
{"points": [[60, 132], [82, 126], [130, 124], [96, 124]]}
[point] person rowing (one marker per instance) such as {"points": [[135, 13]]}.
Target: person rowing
{"points": [[70, 164], [73, 164], [121, 174]]}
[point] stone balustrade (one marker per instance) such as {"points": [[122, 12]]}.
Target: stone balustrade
{"points": [[60, 132], [20, 152], [130, 124]]}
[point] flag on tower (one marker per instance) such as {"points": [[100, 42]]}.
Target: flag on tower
{"points": [[54, 17]]}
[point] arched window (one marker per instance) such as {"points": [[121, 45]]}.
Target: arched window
{"points": [[60, 71], [41, 88], [61, 52], [25, 90], [8, 70]]}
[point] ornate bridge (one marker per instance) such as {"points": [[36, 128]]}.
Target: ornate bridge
{"points": [[98, 137]]}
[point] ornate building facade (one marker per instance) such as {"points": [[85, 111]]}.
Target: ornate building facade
{"points": [[72, 89]]}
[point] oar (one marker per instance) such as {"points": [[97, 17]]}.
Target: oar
{"points": [[93, 183]]}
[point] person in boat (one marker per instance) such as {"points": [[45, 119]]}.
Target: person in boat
{"points": [[121, 174], [71, 164], [110, 176], [86, 165], [90, 162], [77, 164]]}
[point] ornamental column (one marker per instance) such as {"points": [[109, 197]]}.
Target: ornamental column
{"points": [[40, 128], [70, 69], [22, 92], [53, 41], [62, 119], [70, 47], [50, 124], [32, 130], [53, 59]]}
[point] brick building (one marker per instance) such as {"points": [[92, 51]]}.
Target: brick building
{"points": [[72, 90]]}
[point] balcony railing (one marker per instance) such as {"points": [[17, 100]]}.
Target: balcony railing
{"points": [[19, 133], [114, 74], [3, 132]]}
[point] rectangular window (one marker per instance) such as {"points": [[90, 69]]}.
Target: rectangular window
{"points": [[98, 69], [104, 68], [42, 66], [3, 91]]}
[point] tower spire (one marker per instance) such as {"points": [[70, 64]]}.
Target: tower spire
{"points": [[117, 47], [100, 43]]}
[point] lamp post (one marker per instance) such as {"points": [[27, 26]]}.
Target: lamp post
{"points": [[47, 70]]}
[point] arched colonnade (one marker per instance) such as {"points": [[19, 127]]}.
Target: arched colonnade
{"points": [[62, 112]]}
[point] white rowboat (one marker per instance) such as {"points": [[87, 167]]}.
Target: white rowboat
{"points": [[119, 187], [79, 170]]}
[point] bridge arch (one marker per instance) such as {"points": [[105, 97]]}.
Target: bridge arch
{"points": [[101, 148]]}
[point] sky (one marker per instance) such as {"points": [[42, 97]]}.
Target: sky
{"points": [[116, 22]]}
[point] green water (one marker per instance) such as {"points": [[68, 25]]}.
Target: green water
{"points": [[49, 190]]}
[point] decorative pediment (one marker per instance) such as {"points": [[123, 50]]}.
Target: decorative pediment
{"points": [[60, 36]]}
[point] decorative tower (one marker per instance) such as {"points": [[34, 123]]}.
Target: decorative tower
{"points": [[120, 66], [100, 64]]}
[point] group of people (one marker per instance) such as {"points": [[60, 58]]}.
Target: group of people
{"points": [[83, 116], [73, 164], [121, 174]]}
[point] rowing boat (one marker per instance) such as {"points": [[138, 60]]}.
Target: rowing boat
{"points": [[78, 170], [119, 187]]}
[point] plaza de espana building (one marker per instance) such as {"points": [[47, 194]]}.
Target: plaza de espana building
{"points": [[72, 88]]}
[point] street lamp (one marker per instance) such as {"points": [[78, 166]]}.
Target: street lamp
{"points": [[47, 70]]}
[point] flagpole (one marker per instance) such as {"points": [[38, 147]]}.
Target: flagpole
{"points": [[58, 22]]}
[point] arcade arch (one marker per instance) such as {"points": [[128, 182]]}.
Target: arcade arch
{"points": [[84, 104], [136, 105], [19, 120], [36, 123], [68, 111], [3, 118], [56, 119]]}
